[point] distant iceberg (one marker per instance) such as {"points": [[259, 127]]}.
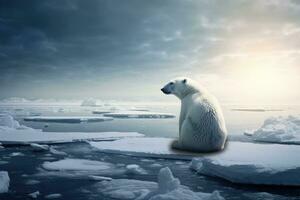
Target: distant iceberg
{"points": [[138, 114], [89, 102], [278, 130], [68, 119]]}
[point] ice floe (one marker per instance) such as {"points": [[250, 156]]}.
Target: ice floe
{"points": [[167, 187], [26, 135], [4, 182], [138, 114], [278, 130], [68, 119], [143, 146], [39, 147], [135, 169], [253, 163], [82, 168]]}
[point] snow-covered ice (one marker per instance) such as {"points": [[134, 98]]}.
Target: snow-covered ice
{"points": [[26, 135], [4, 181], [39, 147], [68, 119], [77, 164], [278, 130], [8, 122], [138, 114], [82, 168], [143, 146], [252, 163], [135, 169], [167, 187]]}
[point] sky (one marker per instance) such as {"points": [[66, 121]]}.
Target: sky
{"points": [[243, 51]]}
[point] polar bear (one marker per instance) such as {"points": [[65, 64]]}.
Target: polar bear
{"points": [[201, 122]]}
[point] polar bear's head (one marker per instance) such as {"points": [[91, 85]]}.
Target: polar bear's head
{"points": [[180, 87]]}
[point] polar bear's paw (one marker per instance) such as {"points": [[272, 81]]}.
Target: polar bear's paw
{"points": [[176, 145]]}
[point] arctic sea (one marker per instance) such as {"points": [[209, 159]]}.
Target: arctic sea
{"points": [[28, 176]]}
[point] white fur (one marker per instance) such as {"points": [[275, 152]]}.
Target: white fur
{"points": [[201, 122]]}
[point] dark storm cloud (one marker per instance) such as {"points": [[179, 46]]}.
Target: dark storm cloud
{"points": [[79, 43]]}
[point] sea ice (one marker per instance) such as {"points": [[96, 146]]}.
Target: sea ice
{"points": [[4, 181], [34, 195], [39, 147], [278, 130], [134, 169], [143, 146], [69, 164], [167, 187], [68, 119], [252, 163], [53, 196], [138, 114], [15, 136]]}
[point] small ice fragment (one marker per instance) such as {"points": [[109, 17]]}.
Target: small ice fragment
{"points": [[39, 147], [34, 195], [135, 169], [4, 182], [53, 196], [99, 178]]}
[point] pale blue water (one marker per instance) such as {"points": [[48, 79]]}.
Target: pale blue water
{"points": [[24, 168]]}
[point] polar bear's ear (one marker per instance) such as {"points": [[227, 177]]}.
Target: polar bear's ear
{"points": [[184, 80]]}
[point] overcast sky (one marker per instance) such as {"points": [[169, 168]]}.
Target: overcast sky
{"points": [[242, 50]]}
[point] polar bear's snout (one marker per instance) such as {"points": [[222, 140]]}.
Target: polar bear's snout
{"points": [[165, 90]]}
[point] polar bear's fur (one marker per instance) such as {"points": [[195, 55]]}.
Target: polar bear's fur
{"points": [[201, 122]]}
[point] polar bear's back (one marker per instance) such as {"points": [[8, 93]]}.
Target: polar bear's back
{"points": [[205, 122]]}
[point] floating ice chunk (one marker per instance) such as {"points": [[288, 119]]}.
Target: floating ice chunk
{"points": [[89, 102], [32, 182], [138, 114], [34, 195], [13, 154], [53, 196], [155, 165], [167, 187], [68, 119], [99, 178], [77, 164], [135, 169], [143, 146], [278, 130], [56, 152], [4, 181], [39, 147], [10, 136], [251, 163]]}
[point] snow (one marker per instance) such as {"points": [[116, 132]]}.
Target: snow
{"points": [[67, 119], [89, 102], [4, 182], [252, 163], [13, 136], [138, 114], [167, 187], [278, 130], [135, 169], [143, 146]]}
